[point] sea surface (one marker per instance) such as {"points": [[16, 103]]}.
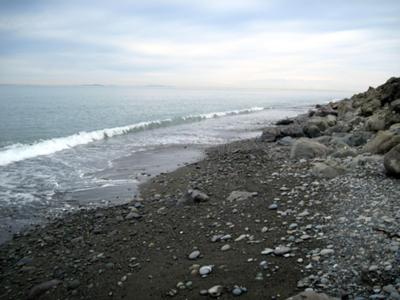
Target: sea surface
{"points": [[64, 148]]}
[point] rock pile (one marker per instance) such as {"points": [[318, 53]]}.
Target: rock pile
{"points": [[368, 123]]}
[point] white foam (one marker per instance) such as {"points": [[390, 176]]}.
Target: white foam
{"points": [[18, 152]]}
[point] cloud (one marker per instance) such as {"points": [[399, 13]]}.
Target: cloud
{"points": [[312, 44]]}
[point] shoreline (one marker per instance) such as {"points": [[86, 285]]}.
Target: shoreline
{"points": [[263, 218]]}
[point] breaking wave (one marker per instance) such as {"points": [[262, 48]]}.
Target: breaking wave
{"points": [[18, 152]]}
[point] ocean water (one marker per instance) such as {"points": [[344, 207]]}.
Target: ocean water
{"points": [[63, 148]]}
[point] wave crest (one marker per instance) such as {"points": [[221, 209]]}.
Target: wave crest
{"points": [[18, 152]]}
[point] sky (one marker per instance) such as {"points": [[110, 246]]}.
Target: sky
{"points": [[338, 45]]}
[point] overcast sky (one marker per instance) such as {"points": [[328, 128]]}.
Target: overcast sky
{"points": [[346, 45]]}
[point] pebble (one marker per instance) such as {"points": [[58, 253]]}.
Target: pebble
{"points": [[325, 252], [194, 255], [238, 290], [267, 251], [273, 206], [241, 237], [205, 270], [132, 215], [225, 247], [281, 250], [215, 291]]}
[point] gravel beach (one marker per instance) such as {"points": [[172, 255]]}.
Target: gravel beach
{"points": [[311, 205]]}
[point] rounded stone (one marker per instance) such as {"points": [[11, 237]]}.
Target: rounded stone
{"points": [[194, 255]]}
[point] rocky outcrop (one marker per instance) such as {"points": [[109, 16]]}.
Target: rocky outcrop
{"points": [[392, 162], [368, 122], [307, 148]]}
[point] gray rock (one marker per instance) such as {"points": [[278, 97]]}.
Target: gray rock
{"points": [[240, 195], [215, 291], [270, 134], [344, 152], [357, 138], [281, 250], [194, 255], [395, 105], [197, 196], [205, 270], [325, 170], [273, 206], [369, 107], [41, 288], [132, 215], [376, 122], [392, 162], [294, 130], [286, 141], [73, 284], [325, 252], [226, 247], [306, 148], [238, 290], [383, 142]]}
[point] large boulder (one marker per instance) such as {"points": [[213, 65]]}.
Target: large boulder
{"points": [[316, 125], [395, 105], [383, 142], [353, 139], [311, 130], [345, 109], [270, 134], [392, 161], [340, 126], [306, 148], [376, 122], [370, 106], [293, 130]]}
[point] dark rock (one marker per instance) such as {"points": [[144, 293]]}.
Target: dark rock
{"points": [[325, 111], [311, 130], [197, 196], [395, 105], [392, 162], [39, 289], [294, 130], [73, 284], [270, 134], [390, 91], [286, 121]]}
